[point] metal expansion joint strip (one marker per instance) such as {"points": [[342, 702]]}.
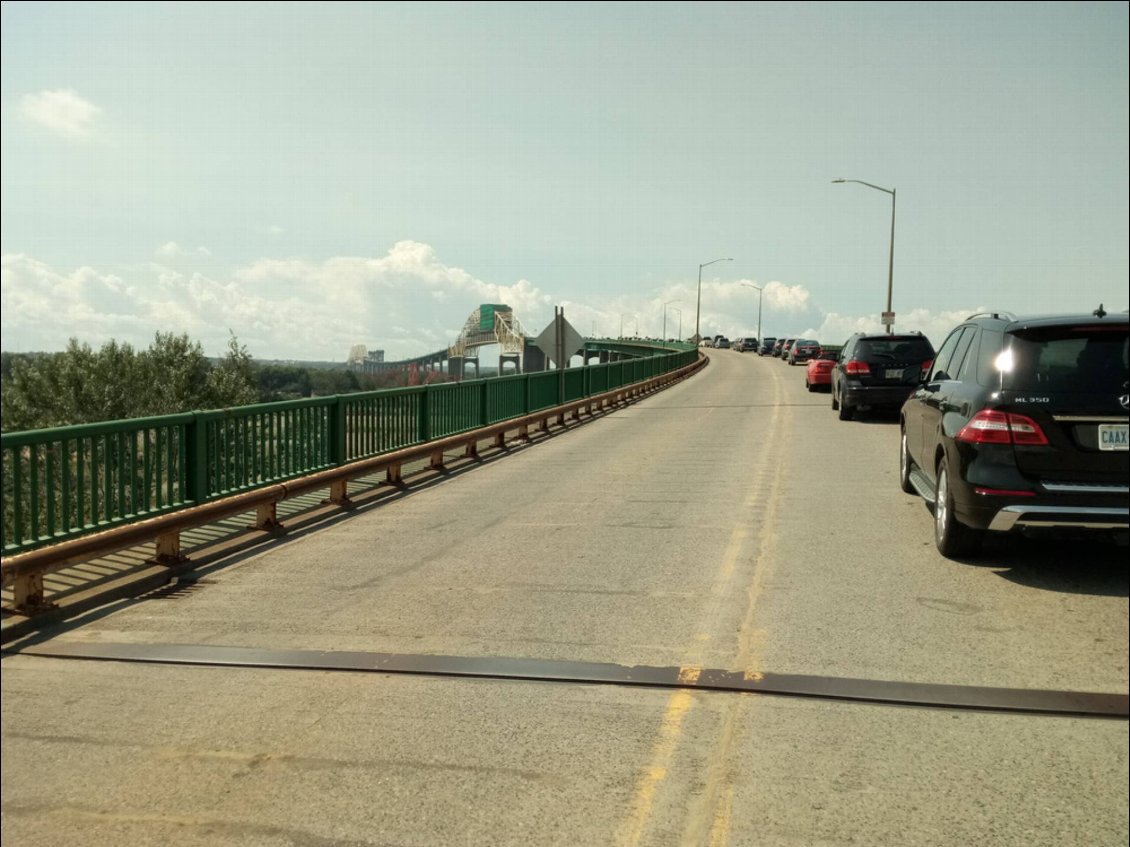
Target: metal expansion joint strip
{"points": [[974, 698]]}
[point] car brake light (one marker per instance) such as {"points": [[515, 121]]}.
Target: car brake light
{"points": [[854, 367], [991, 427], [929, 363]]}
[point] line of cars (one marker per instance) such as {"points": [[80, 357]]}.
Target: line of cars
{"points": [[1013, 424]]}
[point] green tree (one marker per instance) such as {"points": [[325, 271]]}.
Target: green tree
{"points": [[232, 381], [282, 382], [81, 385]]}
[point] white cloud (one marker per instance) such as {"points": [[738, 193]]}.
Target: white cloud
{"points": [[407, 302], [170, 250], [835, 328], [62, 111]]}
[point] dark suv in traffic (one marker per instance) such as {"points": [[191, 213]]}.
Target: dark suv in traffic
{"points": [[878, 371], [1022, 424]]}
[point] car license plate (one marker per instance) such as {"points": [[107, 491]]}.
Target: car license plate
{"points": [[1113, 437], [894, 373]]}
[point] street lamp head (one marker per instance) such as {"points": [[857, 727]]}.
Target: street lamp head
{"points": [[839, 180], [698, 309]]}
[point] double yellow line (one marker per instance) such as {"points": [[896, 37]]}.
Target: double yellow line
{"points": [[679, 704]]}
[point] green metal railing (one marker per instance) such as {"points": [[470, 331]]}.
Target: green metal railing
{"points": [[67, 482]]}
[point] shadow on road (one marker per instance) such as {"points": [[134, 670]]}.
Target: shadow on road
{"points": [[1070, 566], [876, 416]]}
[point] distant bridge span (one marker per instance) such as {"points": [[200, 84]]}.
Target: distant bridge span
{"points": [[492, 324]]}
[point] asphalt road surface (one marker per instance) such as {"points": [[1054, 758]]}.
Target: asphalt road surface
{"points": [[730, 523]]}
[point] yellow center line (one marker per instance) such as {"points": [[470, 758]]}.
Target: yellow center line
{"points": [[680, 702], [718, 794], [669, 731], [720, 831]]}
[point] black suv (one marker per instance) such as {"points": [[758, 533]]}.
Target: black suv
{"points": [[1022, 424], [878, 371]]}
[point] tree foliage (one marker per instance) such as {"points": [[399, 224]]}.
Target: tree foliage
{"points": [[116, 382], [83, 385]]}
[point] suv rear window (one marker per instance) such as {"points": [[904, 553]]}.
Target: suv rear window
{"points": [[895, 349], [1076, 359]]}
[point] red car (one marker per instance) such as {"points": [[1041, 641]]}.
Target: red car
{"points": [[819, 370]]}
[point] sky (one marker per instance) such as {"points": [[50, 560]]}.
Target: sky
{"points": [[312, 177]]}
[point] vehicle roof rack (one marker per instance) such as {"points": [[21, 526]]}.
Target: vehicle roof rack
{"points": [[1000, 316]]}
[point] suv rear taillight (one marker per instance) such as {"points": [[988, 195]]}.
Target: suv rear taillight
{"points": [[988, 427], [855, 367]]}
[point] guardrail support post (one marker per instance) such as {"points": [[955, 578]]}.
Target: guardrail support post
{"points": [[392, 474], [266, 517], [168, 550], [27, 591], [436, 463], [339, 493]]}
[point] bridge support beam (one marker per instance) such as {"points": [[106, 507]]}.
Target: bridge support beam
{"points": [[516, 358], [455, 367]]}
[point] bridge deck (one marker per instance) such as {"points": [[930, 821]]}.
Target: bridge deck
{"points": [[729, 523]]}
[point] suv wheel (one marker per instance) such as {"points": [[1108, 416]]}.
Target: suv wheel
{"points": [[835, 398], [905, 464], [846, 412], [951, 537]]}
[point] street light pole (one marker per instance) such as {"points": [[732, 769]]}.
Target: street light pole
{"points": [[891, 261], [760, 292], [698, 307], [680, 311], [665, 305]]}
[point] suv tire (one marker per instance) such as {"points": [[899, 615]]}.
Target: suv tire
{"points": [[835, 398], [905, 465], [952, 538], [846, 412]]}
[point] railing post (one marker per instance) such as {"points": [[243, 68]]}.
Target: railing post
{"points": [[424, 424], [484, 407], [196, 459], [337, 431]]}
